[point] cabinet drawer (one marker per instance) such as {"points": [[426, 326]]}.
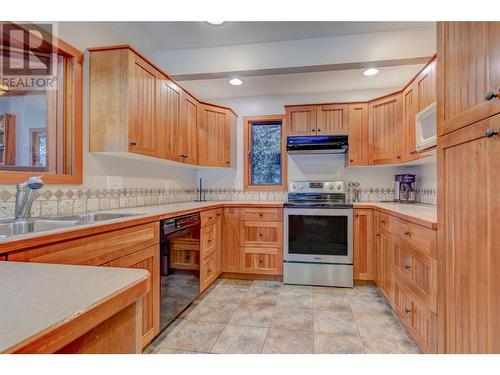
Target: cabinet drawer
{"points": [[208, 240], [266, 261], [418, 318], [417, 270], [265, 214], [210, 217], [93, 250], [208, 272], [261, 234], [421, 237]]}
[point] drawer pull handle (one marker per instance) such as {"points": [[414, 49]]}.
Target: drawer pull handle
{"points": [[407, 233], [490, 95], [210, 218], [382, 221], [407, 267], [490, 133], [407, 310]]}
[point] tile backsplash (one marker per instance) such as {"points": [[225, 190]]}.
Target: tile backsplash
{"points": [[58, 202]]}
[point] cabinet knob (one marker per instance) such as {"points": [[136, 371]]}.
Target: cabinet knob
{"points": [[133, 143], [398, 157], [261, 234], [378, 234], [407, 266], [407, 310], [228, 162], [490, 95], [261, 215], [313, 130], [490, 133], [407, 232], [319, 130], [382, 221], [351, 160]]}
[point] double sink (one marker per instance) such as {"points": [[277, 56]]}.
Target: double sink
{"points": [[12, 228]]}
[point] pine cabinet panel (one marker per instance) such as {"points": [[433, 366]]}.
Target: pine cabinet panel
{"points": [[215, 137], [359, 151], [385, 261], [364, 247], [386, 129], [410, 110], [261, 260], [147, 259], [261, 234], [469, 251], [425, 84], [210, 248], [208, 272], [143, 91], [231, 240], [169, 119], [301, 120], [187, 143], [332, 119], [467, 70]]}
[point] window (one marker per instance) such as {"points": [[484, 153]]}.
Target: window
{"points": [[265, 162], [40, 105]]}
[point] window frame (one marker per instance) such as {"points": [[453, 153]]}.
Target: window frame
{"points": [[72, 121], [247, 145]]}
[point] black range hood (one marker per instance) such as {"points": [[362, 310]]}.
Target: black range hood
{"points": [[329, 144]]}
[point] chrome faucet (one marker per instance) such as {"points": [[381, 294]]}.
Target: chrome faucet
{"points": [[25, 196]]}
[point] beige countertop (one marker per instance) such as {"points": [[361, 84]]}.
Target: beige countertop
{"points": [[36, 297], [420, 213]]}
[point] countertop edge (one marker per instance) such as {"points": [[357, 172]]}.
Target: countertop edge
{"points": [[414, 219]]}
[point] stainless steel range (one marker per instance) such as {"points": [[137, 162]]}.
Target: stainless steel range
{"points": [[318, 230]]}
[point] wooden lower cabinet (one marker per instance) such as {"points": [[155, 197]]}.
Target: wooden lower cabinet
{"points": [[385, 256], [253, 241], [210, 247], [364, 247], [147, 259]]}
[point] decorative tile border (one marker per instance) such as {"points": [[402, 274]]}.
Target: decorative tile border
{"points": [[58, 202]]}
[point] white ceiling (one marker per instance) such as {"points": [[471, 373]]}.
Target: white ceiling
{"points": [[150, 36], [303, 83]]}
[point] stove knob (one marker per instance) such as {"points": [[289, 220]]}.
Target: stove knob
{"points": [[301, 187], [330, 187], [293, 187]]}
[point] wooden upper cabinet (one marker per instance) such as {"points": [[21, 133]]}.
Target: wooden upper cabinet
{"points": [[332, 119], [143, 91], [215, 131], [301, 120], [358, 153], [425, 86], [467, 71], [410, 109], [135, 107], [187, 145], [386, 129], [169, 119]]}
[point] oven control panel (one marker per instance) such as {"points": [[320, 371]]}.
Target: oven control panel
{"points": [[316, 187]]}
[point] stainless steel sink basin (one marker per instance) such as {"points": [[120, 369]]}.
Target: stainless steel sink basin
{"points": [[93, 217], [10, 228]]}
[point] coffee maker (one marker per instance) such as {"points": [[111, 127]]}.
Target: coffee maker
{"points": [[404, 188]]}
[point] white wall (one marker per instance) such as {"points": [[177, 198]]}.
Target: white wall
{"points": [[310, 167]]}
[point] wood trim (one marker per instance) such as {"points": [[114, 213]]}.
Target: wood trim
{"points": [[247, 121], [142, 56], [63, 333], [250, 276]]}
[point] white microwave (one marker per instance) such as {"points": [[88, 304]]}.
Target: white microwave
{"points": [[425, 123]]}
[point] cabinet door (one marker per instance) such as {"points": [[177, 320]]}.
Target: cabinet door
{"points": [[215, 137], [359, 152], [231, 240], [218, 248], [147, 259], [143, 130], [187, 143], [468, 68], [410, 109], [425, 85], [208, 272], [364, 256], [169, 119], [469, 250], [385, 264], [386, 129], [301, 120], [332, 119]]}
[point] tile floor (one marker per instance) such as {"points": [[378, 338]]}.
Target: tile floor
{"points": [[238, 316]]}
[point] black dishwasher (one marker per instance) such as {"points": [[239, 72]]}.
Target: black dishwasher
{"points": [[179, 265]]}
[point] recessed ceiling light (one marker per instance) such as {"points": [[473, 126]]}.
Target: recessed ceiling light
{"points": [[236, 82], [216, 23], [370, 72]]}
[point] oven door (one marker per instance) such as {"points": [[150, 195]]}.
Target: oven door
{"points": [[318, 235]]}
